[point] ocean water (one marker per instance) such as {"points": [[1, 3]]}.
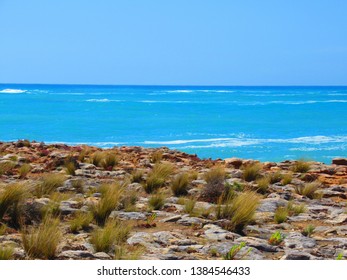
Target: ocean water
{"points": [[264, 123]]}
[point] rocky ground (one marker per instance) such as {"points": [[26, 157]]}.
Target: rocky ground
{"points": [[289, 221]]}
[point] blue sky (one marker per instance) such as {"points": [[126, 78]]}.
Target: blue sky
{"points": [[177, 42]]}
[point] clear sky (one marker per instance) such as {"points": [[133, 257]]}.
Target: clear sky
{"points": [[174, 42]]}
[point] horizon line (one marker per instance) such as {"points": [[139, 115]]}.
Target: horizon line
{"points": [[168, 85]]}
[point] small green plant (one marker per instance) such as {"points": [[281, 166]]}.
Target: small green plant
{"points": [[301, 166], [215, 184], [49, 183], [213, 252], [179, 185], [6, 252], [281, 215], [24, 170], [157, 177], [251, 172], [308, 231], [189, 206], [150, 220], [156, 201], [80, 222], [110, 200], [339, 256], [234, 250], [114, 233], [136, 176], [309, 189], [276, 238], [42, 242]]}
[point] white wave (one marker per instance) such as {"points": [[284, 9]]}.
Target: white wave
{"points": [[241, 141], [163, 101], [337, 94], [293, 102], [313, 149], [181, 90], [97, 144], [104, 100], [12, 91]]}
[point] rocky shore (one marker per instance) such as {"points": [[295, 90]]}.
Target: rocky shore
{"points": [[82, 202]]}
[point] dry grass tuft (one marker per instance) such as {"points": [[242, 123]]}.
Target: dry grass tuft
{"points": [[179, 185], [309, 189], [215, 184], [24, 170], [81, 221], [49, 184], [301, 166], [251, 172], [157, 177]]}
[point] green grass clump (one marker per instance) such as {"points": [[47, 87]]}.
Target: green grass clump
{"points": [[157, 156], [11, 199], [157, 177], [286, 179], [309, 189], [109, 161], [276, 238], [49, 184], [156, 201], [114, 233], [81, 221], [251, 172], [189, 206], [136, 176], [295, 209], [308, 230], [179, 185], [281, 215], [110, 200], [242, 210], [24, 170], [70, 168], [42, 242], [215, 179], [6, 167], [6, 252], [263, 184], [301, 166]]}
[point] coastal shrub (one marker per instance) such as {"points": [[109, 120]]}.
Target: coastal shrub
{"points": [[81, 221], [281, 215], [6, 167], [179, 185], [309, 189], [6, 252], [263, 184], [242, 210], [114, 233], [110, 200], [24, 170], [48, 184], [214, 184], [11, 199], [275, 177], [42, 242], [295, 209], [109, 161], [189, 206], [136, 176], [276, 238], [301, 166], [70, 168], [286, 179], [308, 230], [156, 201], [251, 172], [157, 177], [129, 201], [157, 156]]}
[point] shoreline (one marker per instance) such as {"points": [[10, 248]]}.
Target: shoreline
{"points": [[168, 201]]}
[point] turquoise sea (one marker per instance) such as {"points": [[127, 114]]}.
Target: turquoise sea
{"points": [[265, 123]]}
